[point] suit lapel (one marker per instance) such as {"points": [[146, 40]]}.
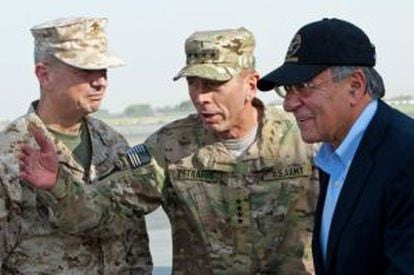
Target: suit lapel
{"points": [[357, 176], [316, 244]]}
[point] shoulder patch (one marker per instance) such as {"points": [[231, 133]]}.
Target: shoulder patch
{"points": [[138, 156], [134, 158]]}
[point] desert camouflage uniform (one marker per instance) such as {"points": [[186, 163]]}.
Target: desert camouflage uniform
{"points": [[30, 242], [253, 215], [248, 216], [80, 42]]}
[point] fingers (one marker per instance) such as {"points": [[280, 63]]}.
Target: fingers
{"points": [[25, 155], [24, 163], [34, 174], [26, 177], [26, 150], [24, 167], [45, 144]]}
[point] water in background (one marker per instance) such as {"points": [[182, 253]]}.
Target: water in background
{"points": [[159, 229], [158, 226], [162, 271]]}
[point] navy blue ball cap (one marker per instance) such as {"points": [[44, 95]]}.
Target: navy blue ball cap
{"points": [[317, 46]]}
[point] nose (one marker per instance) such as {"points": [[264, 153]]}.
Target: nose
{"points": [[291, 102], [99, 79], [201, 97], [200, 94]]}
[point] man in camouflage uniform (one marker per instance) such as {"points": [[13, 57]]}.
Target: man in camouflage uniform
{"points": [[71, 61], [235, 179]]}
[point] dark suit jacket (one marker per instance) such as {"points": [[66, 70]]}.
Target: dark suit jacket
{"points": [[372, 230]]}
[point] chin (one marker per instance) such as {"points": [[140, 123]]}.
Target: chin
{"points": [[92, 108], [213, 128], [88, 111], [210, 127], [310, 139]]}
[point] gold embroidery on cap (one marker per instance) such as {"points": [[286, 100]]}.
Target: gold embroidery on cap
{"points": [[293, 48]]}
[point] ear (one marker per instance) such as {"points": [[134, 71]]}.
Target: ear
{"points": [[251, 83], [42, 73], [357, 87]]}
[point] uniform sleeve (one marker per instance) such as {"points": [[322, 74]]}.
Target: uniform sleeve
{"points": [[94, 208], [8, 225], [3, 225], [297, 244]]}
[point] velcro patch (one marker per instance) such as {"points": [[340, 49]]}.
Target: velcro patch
{"points": [[291, 171], [138, 156], [198, 175]]}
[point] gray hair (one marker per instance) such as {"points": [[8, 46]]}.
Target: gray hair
{"points": [[374, 83], [43, 56]]}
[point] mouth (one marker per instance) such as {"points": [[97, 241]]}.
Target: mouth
{"points": [[303, 119], [96, 97], [209, 116]]}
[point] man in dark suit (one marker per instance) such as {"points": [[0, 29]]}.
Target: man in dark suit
{"points": [[365, 214]]}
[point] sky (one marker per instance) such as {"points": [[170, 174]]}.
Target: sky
{"points": [[150, 35]]}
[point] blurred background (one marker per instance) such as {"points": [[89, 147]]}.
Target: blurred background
{"points": [[149, 36]]}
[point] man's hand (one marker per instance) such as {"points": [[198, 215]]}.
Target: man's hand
{"points": [[39, 168]]}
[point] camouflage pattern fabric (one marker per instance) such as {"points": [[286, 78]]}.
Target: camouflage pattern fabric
{"points": [[31, 242], [247, 216], [250, 216], [218, 55], [77, 41]]}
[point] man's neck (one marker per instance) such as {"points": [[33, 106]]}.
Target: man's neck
{"points": [[247, 121], [59, 121]]}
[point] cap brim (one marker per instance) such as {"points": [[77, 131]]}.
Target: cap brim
{"points": [[91, 61], [207, 71], [289, 74]]}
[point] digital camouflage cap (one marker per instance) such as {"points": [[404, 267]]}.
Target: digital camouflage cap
{"points": [[79, 41], [218, 55]]}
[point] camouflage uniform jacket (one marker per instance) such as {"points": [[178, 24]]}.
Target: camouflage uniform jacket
{"points": [[30, 242], [253, 215]]}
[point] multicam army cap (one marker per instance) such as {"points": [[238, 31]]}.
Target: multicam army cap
{"points": [[79, 41], [218, 55]]}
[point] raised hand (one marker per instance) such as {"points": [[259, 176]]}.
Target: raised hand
{"points": [[39, 167]]}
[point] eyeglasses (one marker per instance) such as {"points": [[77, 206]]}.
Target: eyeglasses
{"points": [[305, 89]]}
